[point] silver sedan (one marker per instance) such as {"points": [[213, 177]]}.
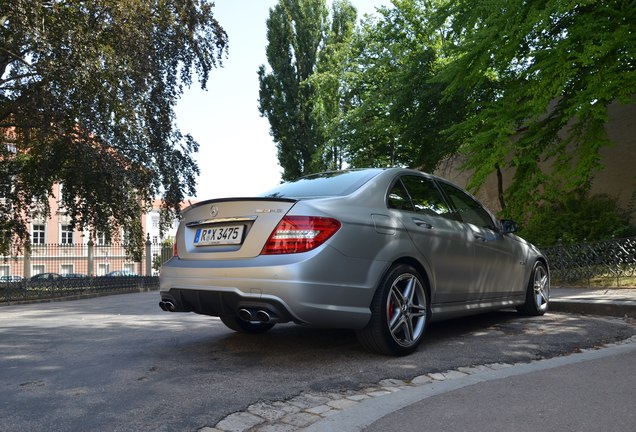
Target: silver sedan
{"points": [[379, 251]]}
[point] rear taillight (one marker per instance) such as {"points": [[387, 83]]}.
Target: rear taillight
{"points": [[296, 234], [175, 252]]}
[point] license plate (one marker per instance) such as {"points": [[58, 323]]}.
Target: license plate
{"points": [[227, 235]]}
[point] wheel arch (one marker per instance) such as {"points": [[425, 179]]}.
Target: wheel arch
{"points": [[417, 265], [542, 259], [381, 336]]}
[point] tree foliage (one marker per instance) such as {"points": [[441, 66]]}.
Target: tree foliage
{"points": [[509, 84], [538, 77], [330, 98], [397, 114], [87, 91], [295, 33]]}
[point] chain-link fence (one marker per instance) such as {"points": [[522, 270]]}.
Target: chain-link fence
{"points": [[602, 263]]}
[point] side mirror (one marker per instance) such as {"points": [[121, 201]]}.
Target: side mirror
{"points": [[508, 226]]}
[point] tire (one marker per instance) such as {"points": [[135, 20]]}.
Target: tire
{"points": [[238, 325], [400, 312], [538, 292]]}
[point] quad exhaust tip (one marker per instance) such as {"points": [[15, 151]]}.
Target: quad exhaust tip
{"points": [[262, 316], [259, 315], [167, 306], [245, 315]]}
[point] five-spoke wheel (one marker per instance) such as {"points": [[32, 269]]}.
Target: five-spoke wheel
{"points": [[538, 292], [399, 313]]}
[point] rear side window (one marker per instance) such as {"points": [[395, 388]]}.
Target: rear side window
{"points": [[418, 194], [334, 183], [399, 198], [468, 209]]}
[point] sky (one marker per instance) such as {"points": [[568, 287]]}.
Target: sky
{"points": [[237, 156]]}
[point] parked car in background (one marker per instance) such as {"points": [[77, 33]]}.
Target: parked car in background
{"points": [[74, 275], [119, 273], [380, 251], [47, 281], [45, 276], [9, 279]]}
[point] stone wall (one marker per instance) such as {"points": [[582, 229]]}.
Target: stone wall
{"points": [[617, 178]]}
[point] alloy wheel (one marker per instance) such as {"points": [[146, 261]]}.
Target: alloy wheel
{"points": [[406, 310]]}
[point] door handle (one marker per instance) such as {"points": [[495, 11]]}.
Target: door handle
{"points": [[423, 224]]}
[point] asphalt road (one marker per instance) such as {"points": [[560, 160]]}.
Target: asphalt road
{"points": [[121, 364]]}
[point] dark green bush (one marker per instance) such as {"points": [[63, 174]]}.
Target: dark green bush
{"points": [[577, 218]]}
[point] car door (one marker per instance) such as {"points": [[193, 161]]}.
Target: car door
{"points": [[497, 257], [445, 243]]}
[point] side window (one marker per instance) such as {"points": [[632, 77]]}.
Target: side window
{"points": [[427, 199], [469, 210], [398, 198]]}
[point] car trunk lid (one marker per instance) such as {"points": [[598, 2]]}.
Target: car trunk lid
{"points": [[229, 228]]}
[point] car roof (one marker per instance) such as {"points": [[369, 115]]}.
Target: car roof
{"points": [[336, 183]]}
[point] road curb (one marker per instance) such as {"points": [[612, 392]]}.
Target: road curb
{"points": [[355, 410], [622, 308], [362, 415]]}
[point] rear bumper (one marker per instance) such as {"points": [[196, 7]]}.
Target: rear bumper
{"points": [[319, 288], [219, 303]]}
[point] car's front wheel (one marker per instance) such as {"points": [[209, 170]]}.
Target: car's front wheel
{"points": [[399, 313], [538, 291], [238, 325]]}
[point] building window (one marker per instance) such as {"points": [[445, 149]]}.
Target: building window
{"points": [[102, 269], [155, 222], [66, 234], [155, 240], [37, 234], [101, 238], [66, 269], [38, 269]]}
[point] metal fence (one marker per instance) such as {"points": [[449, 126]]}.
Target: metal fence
{"points": [[602, 263], [28, 290], [85, 259], [68, 270]]}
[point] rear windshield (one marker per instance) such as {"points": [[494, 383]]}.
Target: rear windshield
{"points": [[327, 184]]}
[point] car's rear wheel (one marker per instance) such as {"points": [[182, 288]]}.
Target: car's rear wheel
{"points": [[399, 313], [238, 325], [538, 292]]}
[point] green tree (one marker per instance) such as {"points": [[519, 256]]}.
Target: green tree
{"points": [[530, 71], [87, 91], [330, 98], [295, 34], [398, 115]]}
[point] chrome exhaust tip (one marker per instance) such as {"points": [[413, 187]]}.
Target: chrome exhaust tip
{"points": [[262, 316], [169, 306], [245, 315]]}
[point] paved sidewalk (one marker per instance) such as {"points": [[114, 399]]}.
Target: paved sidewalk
{"points": [[396, 404], [617, 302], [587, 392]]}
